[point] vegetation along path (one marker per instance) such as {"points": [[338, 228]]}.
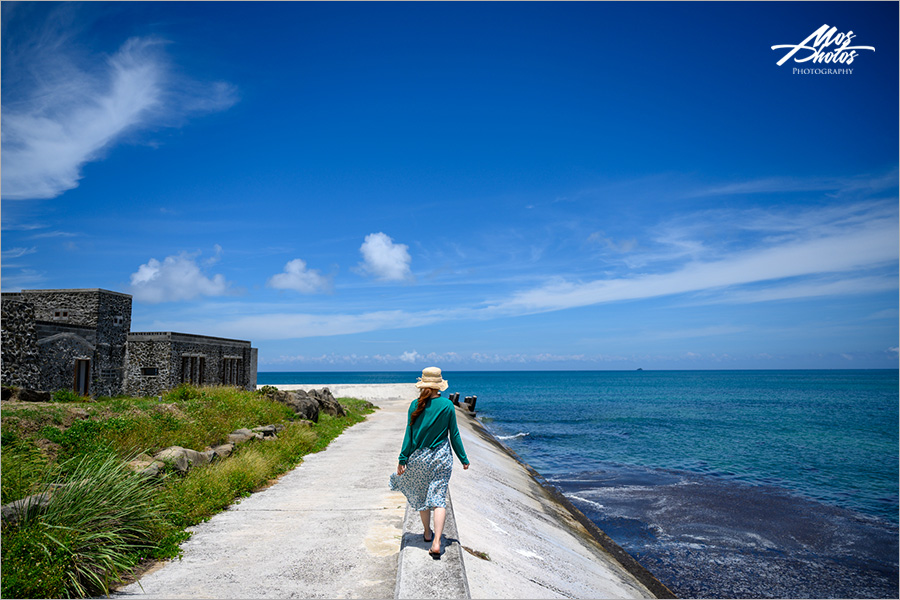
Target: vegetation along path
{"points": [[329, 528]]}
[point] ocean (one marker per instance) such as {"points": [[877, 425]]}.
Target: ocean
{"points": [[728, 484]]}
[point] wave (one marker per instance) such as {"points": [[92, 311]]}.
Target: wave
{"points": [[509, 437]]}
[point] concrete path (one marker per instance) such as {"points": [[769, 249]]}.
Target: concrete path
{"points": [[330, 528]]}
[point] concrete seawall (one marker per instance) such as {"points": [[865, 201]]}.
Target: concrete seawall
{"points": [[540, 545]]}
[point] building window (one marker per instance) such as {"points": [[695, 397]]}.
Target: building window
{"points": [[60, 314], [149, 371], [108, 373], [118, 320], [192, 369], [232, 371]]}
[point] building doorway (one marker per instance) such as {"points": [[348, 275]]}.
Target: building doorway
{"points": [[82, 383]]}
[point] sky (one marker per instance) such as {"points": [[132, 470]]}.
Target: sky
{"points": [[476, 186]]}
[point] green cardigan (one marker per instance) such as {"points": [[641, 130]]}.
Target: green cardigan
{"points": [[431, 428]]}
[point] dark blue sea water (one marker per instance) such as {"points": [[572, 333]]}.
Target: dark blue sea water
{"points": [[722, 483]]}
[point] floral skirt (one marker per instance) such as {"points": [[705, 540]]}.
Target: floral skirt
{"points": [[424, 483]]}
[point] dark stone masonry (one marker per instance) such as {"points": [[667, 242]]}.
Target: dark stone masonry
{"points": [[81, 340]]}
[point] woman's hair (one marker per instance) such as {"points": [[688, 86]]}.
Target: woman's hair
{"points": [[424, 396]]}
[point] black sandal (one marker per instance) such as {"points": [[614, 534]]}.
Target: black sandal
{"points": [[426, 539], [435, 555]]}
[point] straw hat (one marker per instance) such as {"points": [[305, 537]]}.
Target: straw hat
{"points": [[431, 378]]}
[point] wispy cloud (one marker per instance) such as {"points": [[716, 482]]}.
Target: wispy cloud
{"points": [[298, 277], [838, 186], [17, 253], [76, 109], [177, 277], [23, 279], [871, 244], [385, 259], [53, 234]]}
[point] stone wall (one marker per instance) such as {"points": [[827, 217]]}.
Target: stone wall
{"points": [[57, 357], [18, 365]]}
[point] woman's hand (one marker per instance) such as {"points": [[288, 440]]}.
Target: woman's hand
{"points": [[465, 467], [401, 469]]}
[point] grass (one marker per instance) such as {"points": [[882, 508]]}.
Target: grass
{"points": [[107, 520]]}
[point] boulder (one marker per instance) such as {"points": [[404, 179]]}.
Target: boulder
{"points": [[223, 451], [266, 430], [27, 395], [299, 402], [239, 436], [146, 466], [327, 403], [12, 511], [304, 406], [184, 458], [176, 456], [7, 393]]}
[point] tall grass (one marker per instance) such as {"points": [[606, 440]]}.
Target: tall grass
{"points": [[94, 527]]}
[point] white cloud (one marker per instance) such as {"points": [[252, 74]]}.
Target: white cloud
{"points": [[48, 141], [17, 252], [849, 249], [384, 259], [298, 278], [175, 278], [410, 357], [80, 106]]}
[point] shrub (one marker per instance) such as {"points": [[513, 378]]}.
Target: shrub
{"points": [[69, 396], [96, 525]]}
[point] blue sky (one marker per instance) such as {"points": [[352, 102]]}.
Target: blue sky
{"points": [[472, 185]]}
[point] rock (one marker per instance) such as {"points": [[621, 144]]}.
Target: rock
{"points": [[7, 393], [304, 422], [184, 458], [300, 403], [146, 466], [239, 436], [327, 402], [28, 395], [12, 511], [266, 430], [176, 456], [223, 451]]}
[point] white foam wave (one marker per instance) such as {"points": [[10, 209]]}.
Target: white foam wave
{"points": [[586, 501], [509, 437]]}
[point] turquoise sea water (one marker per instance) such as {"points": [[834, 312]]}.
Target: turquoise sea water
{"points": [[788, 478]]}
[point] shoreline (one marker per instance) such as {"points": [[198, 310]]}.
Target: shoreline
{"points": [[627, 562]]}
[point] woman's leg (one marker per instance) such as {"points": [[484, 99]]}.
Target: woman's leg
{"points": [[439, 515], [425, 515]]}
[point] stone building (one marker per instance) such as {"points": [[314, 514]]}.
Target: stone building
{"points": [[80, 340], [156, 362]]}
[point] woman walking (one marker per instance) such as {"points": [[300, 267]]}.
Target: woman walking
{"points": [[425, 464]]}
